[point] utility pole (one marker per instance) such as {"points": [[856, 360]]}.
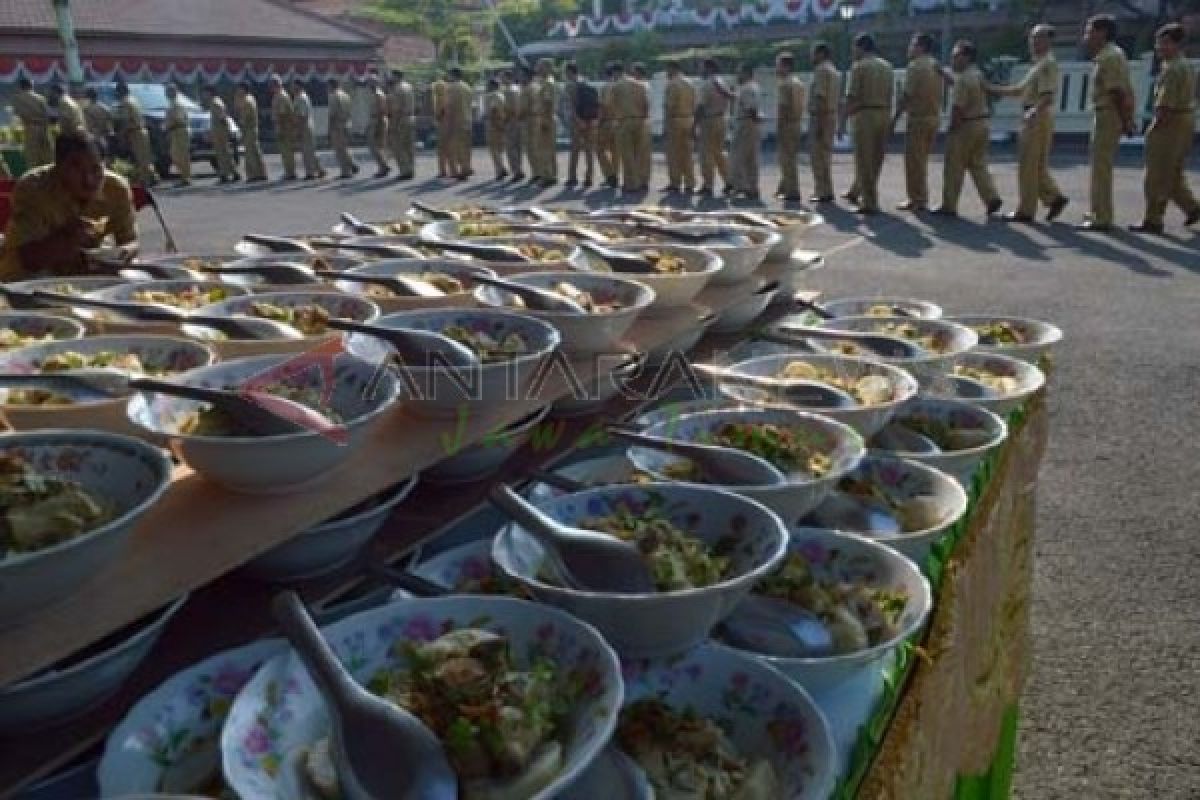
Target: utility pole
{"points": [[66, 32]]}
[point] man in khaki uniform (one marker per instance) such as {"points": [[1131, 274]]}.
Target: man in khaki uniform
{"points": [[245, 108], [679, 119], [377, 126], [495, 121], [458, 117], [747, 116], [921, 99], [285, 127], [528, 91], [1169, 137], [512, 124], [967, 136], [1037, 91], [645, 151], [70, 117], [97, 117], [33, 111], [711, 114], [582, 130], [631, 104], [339, 128], [437, 93], [606, 132], [789, 126], [545, 104], [306, 134], [131, 130], [402, 111], [179, 137], [869, 102], [222, 137], [823, 100], [1112, 100]]}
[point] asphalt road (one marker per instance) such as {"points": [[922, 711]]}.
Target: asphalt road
{"points": [[1112, 709]]}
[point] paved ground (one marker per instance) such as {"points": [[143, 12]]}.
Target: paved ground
{"points": [[1113, 707]]}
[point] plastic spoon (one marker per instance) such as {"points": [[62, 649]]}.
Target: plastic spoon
{"points": [[93, 383], [278, 244], [359, 227], [370, 248], [774, 627], [282, 273], [795, 391], [380, 750], [415, 347], [259, 413], [25, 300], [969, 388], [724, 466], [620, 261], [878, 343], [536, 299], [397, 284], [435, 213], [686, 235], [900, 439], [501, 253], [587, 559]]}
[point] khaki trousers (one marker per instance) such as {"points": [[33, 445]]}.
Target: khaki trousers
{"points": [[966, 151], [460, 151], [712, 151], [645, 153], [606, 150], [181, 155], [527, 147], [681, 170], [287, 154], [744, 165], [400, 141], [820, 149], [788, 137], [496, 142], [308, 152], [339, 140], [255, 168], [918, 144], [629, 141], [444, 145], [377, 133], [583, 143], [1167, 148], [542, 154], [512, 146], [1106, 139], [871, 128], [223, 154], [1034, 181]]}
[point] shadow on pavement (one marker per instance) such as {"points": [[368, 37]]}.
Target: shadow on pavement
{"points": [[1102, 246]]}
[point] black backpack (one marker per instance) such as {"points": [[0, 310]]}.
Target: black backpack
{"points": [[587, 102]]}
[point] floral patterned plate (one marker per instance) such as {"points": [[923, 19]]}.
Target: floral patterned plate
{"points": [[280, 711], [176, 728], [762, 712]]}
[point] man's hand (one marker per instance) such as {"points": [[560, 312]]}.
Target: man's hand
{"points": [[1030, 115]]}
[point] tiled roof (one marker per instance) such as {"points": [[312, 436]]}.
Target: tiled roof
{"points": [[241, 19]]}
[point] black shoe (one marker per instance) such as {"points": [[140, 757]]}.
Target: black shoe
{"points": [[994, 206], [1092, 225], [288, 178], [587, 183], [850, 196], [502, 175], [942, 211], [345, 176], [1017, 216], [909, 205], [570, 183], [729, 191], [816, 198], [383, 173], [1056, 208], [866, 211], [669, 189], [704, 191], [354, 169], [262, 179], [1147, 227], [792, 198], [548, 182], [1192, 218], [408, 176], [518, 177], [310, 177], [612, 183]]}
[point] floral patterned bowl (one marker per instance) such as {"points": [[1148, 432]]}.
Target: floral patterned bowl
{"points": [[414, 268], [979, 430], [129, 292], [17, 325], [850, 558], [661, 623], [801, 492], [936, 499], [1038, 338], [1023, 378], [764, 714], [280, 711], [594, 471], [170, 740], [356, 390], [126, 472], [433, 392]]}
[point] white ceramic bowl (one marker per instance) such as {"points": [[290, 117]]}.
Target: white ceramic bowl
{"points": [[1027, 380], [590, 396], [800, 494], [439, 394], [76, 284], [334, 261], [178, 725], [63, 692], [671, 290], [391, 227], [125, 293], [901, 481], [682, 344], [861, 306], [1039, 337], [867, 420], [956, 340], [266, 725], [602, 470], [792, 226], [480, 459], [336, 303], [192, 261], [988, 429], [360, 393], [764, 714], [582, 333], [415, 268], [850, 558], [158, 353], [738, 260], [564, 245], [739, 315], [662, 623], [330, 545], [127, 472], [47, 327]]}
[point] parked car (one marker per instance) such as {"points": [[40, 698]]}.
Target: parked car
{"points": [[152, 97]]}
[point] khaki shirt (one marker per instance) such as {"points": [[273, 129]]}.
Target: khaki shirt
{"points": [[302, 111], [98, 119], [219, 115], [41, 206], [437, 93], [790, 105], [70, 118], [128, 117], [458, 104], [1110, 72], [339, 109], [377, 111], [826, 90], [401, 101], [969, 97], [923, 88], [545, 98], [512, 102], [31, 107], [526, 105], [282, 112], [871, 85], [608, 112], [748, 98], [713, 102], [495, 113], [177, 117], [1041, 80], [630, 98], [679, 99], [1175, 89], [246, 109]]}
